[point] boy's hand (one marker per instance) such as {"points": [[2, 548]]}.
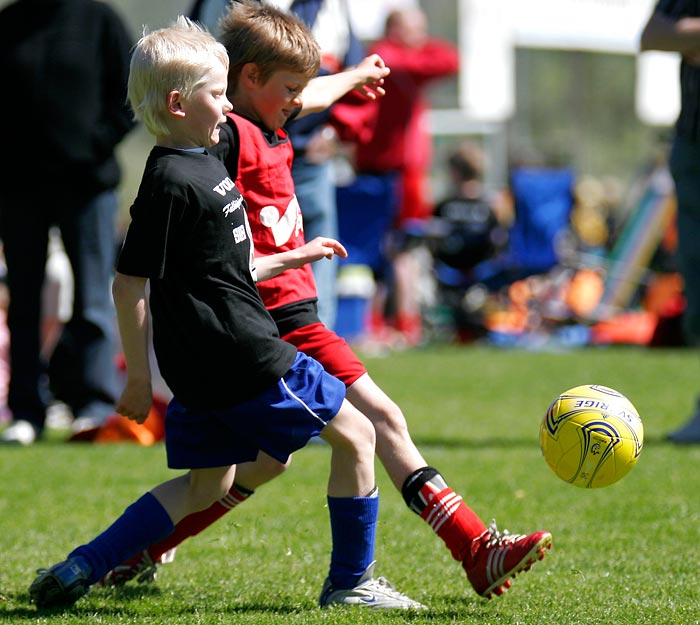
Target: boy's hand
{"points": [[136, 400], [274, 264], [371, 72], [321, 247]]}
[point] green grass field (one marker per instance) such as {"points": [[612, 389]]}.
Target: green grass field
{"points": [[627, 554]]}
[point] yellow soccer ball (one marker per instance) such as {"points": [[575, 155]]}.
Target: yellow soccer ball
{"points": [[591, 436]]}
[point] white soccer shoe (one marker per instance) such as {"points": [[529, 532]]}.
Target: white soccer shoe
{"points": [[370, 592]]}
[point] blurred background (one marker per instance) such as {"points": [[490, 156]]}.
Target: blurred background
{"points": [[556, 81], [555, 89]]}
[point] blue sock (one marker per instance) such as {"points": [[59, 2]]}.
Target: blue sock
{"points": [[143, 523], [353, 529]]}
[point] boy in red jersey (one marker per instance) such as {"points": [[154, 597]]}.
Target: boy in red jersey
{"points": [[268, 73]]}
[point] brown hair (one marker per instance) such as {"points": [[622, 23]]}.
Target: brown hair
{"points": [[177, 57], [268, 37]]}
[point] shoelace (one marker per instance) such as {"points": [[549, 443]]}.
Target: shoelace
{"points": [[384, 584], [148, 575], [498, 538], [145, 569], [382, 581]]}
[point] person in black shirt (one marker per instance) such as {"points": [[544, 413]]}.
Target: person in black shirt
{"points": [[68, 63], [238, 388], [674, 26]]}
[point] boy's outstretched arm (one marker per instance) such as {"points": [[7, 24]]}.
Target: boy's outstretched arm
{"points": [[367, 76], [129, 294], [321, 247]]}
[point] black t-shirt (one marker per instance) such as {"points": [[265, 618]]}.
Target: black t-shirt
{"points": [[68, 64], [465, 227], [215, 343]]}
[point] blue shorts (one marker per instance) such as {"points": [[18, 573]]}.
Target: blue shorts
{"points": [[279, 421]]}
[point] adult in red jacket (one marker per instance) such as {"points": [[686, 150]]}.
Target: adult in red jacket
{"points": [[399, 151]]}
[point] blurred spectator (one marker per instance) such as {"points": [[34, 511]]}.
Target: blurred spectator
{"points": [[469, 225], [674, 26], [468, 230], [68, 63], [396, 159], [4, 348]]}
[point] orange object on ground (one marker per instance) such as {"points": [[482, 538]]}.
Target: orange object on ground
{"points": [[119, 429], [634, 328]]}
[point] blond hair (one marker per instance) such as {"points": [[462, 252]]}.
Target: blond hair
{"points": [[175, 58], [269, 38]]}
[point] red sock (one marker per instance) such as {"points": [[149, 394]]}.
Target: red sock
{"points": [[194, 523], [427, 494]]}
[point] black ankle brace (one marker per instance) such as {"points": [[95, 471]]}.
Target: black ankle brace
{"points": [[412, 485]]}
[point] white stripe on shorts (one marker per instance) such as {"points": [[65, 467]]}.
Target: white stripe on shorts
{"points": [[302, 402]]}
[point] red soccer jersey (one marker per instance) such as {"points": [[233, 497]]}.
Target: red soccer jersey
{"points": [[264, 179]]}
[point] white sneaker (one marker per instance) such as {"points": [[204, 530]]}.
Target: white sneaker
{"points": [[369, 593], [19, 433], [58, 416]]}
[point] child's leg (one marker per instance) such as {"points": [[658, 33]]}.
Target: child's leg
{"points": [[445, 512], [153, 517], [489, 557], [353, 499], [140, 524], [249, 476], [146, 521], [351, 437], [194, 491]]}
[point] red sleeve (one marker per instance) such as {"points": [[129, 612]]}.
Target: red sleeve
{"points": [[436, 59], [354, 121], [354, 117]]}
